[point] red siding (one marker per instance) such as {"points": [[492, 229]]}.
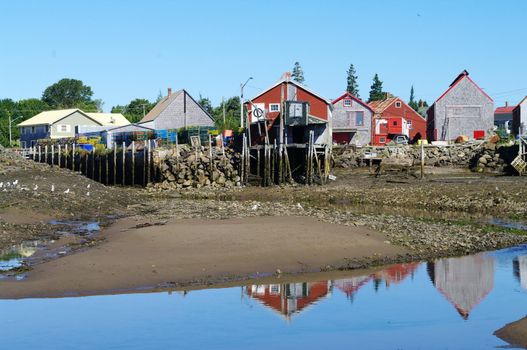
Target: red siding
{"points": [[317, 106]]}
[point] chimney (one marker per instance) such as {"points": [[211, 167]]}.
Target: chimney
{"points": [[506, 103], [169, 92]]}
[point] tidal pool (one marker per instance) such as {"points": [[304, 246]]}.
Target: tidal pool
{"points": [[455, 303]]}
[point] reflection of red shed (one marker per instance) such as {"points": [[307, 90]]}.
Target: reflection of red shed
{"points": [[392, 116], [291, 298], [395, 273]]}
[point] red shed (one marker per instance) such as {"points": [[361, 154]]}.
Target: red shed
{"points": [[392, 117], [305, 110]]}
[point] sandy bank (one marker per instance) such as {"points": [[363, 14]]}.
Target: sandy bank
{"points": [[183, 251]]}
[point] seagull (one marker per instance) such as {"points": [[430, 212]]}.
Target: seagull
{"points": [[299, 206], [15, 182], [8, 184], [35, 188], [52, 188], [89, 185], [88, 194], [1, 184], [67, 191]]}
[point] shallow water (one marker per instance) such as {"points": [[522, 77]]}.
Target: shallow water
{"points": [[452, 303]]}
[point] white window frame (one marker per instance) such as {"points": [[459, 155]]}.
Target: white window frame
{"points": [[410, 124], [271, 105], [347, 100], [67, 128], [398, 104]]}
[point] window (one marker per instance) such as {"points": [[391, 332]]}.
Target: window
{"points": [[410, 124], [395, 123], [382, 140], [359, 118], [32, 129], [349, 118], [347, 102], [274, 107], [63, 128], [398, 104]]}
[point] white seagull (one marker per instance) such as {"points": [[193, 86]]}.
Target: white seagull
{"points": [[88, 194], [89, 185], [67, 191], [35, 188], [52, 188], [15, 182]]}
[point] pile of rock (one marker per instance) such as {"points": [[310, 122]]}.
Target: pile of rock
{"points": [[477, 155], [184, 167]]}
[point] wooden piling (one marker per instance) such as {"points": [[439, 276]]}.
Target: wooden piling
{"points": [[73, 159], [124, 164], [114, 163], [52, 155], [211, 161], [133, 163], [39, 154], [423, 159]]}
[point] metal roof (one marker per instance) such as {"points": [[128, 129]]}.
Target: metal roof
{"points": [[109, 119], [49, 117]]}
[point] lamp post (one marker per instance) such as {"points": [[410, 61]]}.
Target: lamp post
{"points": [[10, 132], [241, 100]]}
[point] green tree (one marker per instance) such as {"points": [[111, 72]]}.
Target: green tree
{"points": [[69, 93], [206, 104], [135, 110], [353, 86], [7, 110], [298, 73], [232, 114], [376, 92], [412, 102]]}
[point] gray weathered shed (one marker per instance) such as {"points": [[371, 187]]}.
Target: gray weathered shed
{"points": [[351, 120], [463, 109], [177, 110]]}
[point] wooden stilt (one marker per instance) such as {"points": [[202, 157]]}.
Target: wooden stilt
{"points": [[52, 155], [133, 163], [124, 164], [114, 163]]}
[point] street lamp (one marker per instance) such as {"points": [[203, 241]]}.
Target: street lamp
{"points": [[10, 132], [241, 100]]}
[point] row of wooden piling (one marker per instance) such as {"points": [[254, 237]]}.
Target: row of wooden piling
{"points": [[117, 167]]}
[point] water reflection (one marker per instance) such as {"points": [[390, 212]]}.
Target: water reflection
{"points": [[289, 298], [464, 281], [14, 256], [404, 306]]}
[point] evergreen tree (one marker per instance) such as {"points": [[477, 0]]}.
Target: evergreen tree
{"points": [[376, 92], [412, 102], [298, 73], [353, 86]]}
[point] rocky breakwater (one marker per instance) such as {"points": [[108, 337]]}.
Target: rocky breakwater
{"points": [[185, 167], [480, 156]]}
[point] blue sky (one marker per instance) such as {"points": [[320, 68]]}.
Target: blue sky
{"points": [[128, 49]]}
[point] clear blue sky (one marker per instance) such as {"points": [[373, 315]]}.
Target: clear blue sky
{"points": [[128, 49]]}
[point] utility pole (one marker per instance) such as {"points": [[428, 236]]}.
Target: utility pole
{"points": [[241, 100], [10, 131]]}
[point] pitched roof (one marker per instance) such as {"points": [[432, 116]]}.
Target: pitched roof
{"points": [[380, 105], [161, 106], [109, 119], [504, 110], [349, 95], [165, 102], [519, 104], [50, 117], [286, 78], [460, 77]]}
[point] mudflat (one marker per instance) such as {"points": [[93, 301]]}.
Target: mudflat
{"points": [[134, 256]]}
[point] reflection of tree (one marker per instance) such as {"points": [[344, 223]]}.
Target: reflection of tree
{"points": [[291, 298], [463, 281]]}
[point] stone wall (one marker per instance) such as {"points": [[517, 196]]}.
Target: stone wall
{"points": [[481, 156]]}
